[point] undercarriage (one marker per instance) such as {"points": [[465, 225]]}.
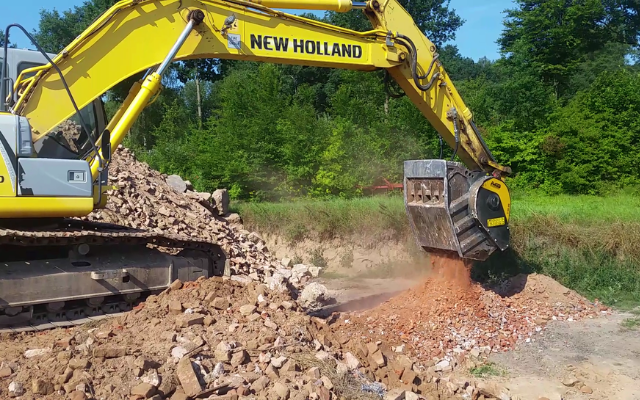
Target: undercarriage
{"points": [[73, 270]]}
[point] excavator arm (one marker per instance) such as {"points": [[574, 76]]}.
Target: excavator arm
{"points": [[454, 207]]}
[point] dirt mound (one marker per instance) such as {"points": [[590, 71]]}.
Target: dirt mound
{"points": [[144, 200], [448, 315]]}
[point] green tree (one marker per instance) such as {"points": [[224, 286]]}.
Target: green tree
{"points": [[434, 18], [56, 30], [552, 37], [594, 142], [2, 40]]}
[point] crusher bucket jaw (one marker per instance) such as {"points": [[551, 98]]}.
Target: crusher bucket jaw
{"points": [[452, 209]]}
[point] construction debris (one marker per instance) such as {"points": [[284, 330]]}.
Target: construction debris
{"points": [[251, 346], [146, 199], [447, 319], [251, 336], [152, 353]]}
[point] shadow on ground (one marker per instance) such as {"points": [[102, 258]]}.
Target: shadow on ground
{"points": [[506, 267]]}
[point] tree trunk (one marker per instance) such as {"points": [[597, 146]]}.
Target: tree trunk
{"points": [[198, 101]]}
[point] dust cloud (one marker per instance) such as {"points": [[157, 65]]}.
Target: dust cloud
{"points": [[451, 269]]}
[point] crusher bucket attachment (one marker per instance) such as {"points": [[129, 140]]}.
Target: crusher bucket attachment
{"points": [[452, 209]]}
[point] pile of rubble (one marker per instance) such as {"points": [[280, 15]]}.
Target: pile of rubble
{"points": [[442, 319], [214, 338], [146, 199], [221, 338]]}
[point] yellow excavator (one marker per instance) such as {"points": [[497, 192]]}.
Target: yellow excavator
{"points": [[58, 268]]}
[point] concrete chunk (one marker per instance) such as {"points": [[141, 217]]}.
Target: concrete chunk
{"points": [[247, 309], [40, 386], [220, 304], [177, 183], [281, 390], [191, 320], [239, 358], [188, 378], [79, 363], [378, 359], [175, 307], [260, 384], [352, 361], [143, 389]]}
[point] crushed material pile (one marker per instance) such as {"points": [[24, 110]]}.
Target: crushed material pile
{"points": [[145, 200], [448, 316], [214, 338], [220, 338]]}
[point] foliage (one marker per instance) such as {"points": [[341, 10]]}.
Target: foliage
{"points": [[560, 107], [554, 36], [2, 40], [56, 30], [592, 144]]}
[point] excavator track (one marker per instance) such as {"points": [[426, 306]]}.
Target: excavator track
{"points": [[74, 231], [78, 271]]}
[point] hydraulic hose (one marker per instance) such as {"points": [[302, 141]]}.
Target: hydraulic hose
{"points": [[414, 65]]}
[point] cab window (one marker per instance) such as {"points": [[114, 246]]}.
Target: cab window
{"points": [[26, 65]]}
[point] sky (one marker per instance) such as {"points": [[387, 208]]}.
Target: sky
{"points": [[475, 39]]}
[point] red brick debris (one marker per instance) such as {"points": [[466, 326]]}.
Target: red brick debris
{"points": [[448, 315]]}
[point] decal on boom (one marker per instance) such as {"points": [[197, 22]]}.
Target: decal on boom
{"points": [[283, 44]]}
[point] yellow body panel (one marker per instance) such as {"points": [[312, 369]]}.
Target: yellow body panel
{"points": [[45, 207], [147, 90], [500, 188], [7, 187]]}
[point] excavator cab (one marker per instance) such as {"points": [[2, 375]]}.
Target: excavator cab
{"points": [[69, 140], [52, 169]]}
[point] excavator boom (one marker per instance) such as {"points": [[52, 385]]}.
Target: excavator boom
{"points": [[139, 34], [460, 207]]}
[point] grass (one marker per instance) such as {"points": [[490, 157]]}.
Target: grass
{"points": [[587, 243], [371, 218], [631, 323], [485, 370], [583, 210]]}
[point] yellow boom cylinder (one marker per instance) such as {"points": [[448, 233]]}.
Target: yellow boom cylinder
{"points": [[330, 5], [148, 89], [133, 92]]}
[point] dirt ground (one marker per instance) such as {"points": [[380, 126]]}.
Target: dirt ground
{"points": [[600, 353]]}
